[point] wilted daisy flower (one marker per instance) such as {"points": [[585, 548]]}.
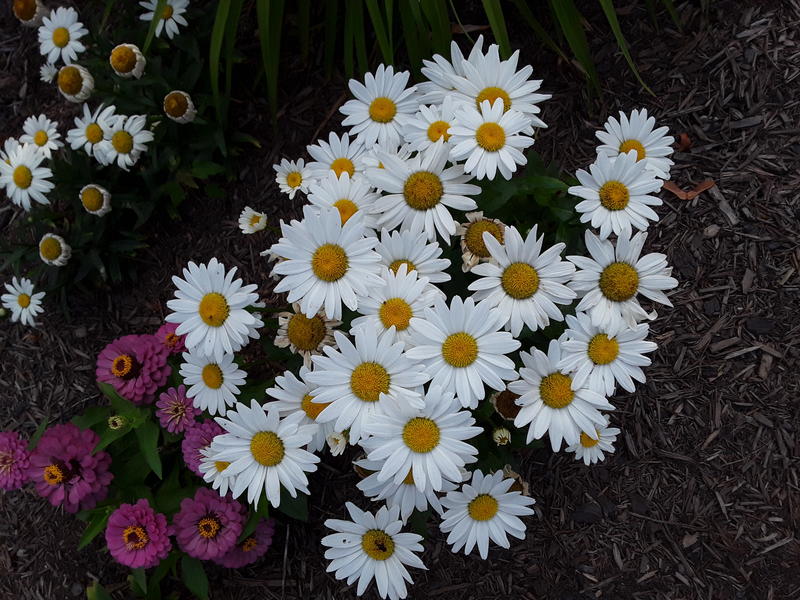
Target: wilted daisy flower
{"points": [[420, 190], [372, 546], [552, 401], [430, 124], [473, 250], [214, 383], [22, 177], [29, 12], [411, 248], [327, 263], [365, 379], [489, 139], [251, 221], [75, 83], [196, 439], [208, 525], [9, 146], [484, 509], [525, 284], [42, 133], [305, 336], [60, 34], [617, 194], [175, 411], [14, 461], [95, 199], [210, 306], [346, 195], [504, 403], [213, 472], [337, 442], [605, 358], [179, 107], [125, 140], [127, 61], [89, 129], [250, 549], [501, 436], [53, 250], [265, 452], [610, 280], [135, 365], [381, 108], [137, 536], [169, 19], [294, 175], [337, 154], [48, 72], [591, 449], [652, 146], [22, 302], [171, 340], [462, 348]]}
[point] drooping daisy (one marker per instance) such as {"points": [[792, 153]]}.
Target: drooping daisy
{"points": [[196, 439], [175, 410], [53, 250], [29, 12], [208, 525], [60, 34], [365, 379], [178, 106], [135, 366], [42, 133], [210, 306], [22, 177], [381, 108], [617, 194], [327, 263], [250, 549], [373, 547], [89, 129], [169, 19], [412, 248], [252, 221], [137, 536], [125, 141], [346, 195], [294, 175], [489, 139], [526, 284], [23, 303], [214, 382], [14, 461], [305, 336], [75, 83], [95, 199], [611, 279], [653, 146], [337, 442], [48, 72], [603, 358], [127, 61], [552, 401], [265, 452], [337, 154], [590, 449], [463, 348], [431, 124], [420, 190], [473, 250], [484, 509]]}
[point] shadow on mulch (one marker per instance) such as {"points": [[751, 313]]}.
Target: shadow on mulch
{"points": [[701, 498]]}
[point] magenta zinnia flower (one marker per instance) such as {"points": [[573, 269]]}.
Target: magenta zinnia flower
{"points": [[14, 461], [136, 365], [208, 525], [175, 411], [66, 472], [197, 437], [166, 335], [251, 549], [137, 536]]}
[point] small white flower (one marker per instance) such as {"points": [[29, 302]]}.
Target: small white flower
{"points": [[501, 436], [305, 336], [440, 73], [95, 199], [42, 133], [337, 443], [652, 146], [252, 221], [9, 146], [213, 384], [591, 449], [412, 248], [53, 250], [294, 175], [60, 34], [213, 472], [90, 129], [473, 250], [22, 177], [431, 124], [348, 195], [171, 17], [23, 303], [125, 141], [48, 72], [337, 154]]}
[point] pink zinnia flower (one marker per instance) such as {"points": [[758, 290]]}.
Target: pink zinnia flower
{"points": [[166, 335], [208, 525], [14, 461], [251, 549], [136, 365], [197, 437], [137, 536], [66, 472], [175, 411]]}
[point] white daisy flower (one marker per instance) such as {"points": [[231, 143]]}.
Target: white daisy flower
{"points": [[127, 61], [95, 199], [211, 307], [652, 146], [411, 248], [60, 34], [75, 83], [178, 106], [337, 443], [9, 146], [305, 336], [363, 380], [213, 383], [373, 547], [420, 190], [265, 452], [53, 250], [348, 195], [327, 263], [602, 357], [170, 18], [29, 12], [23, 303], [125, 141], [552, 401], [463, 349], [89, 129], [48, 72], [590, 449], [489, 139], [440, 73], [337, 154], [42, 133], [473, 250], [371, 158], [611, 279], [484, 509], [381, 108], [431, 124], [294, 175], [617, 194], [252, 221], [214, 472], [22, 177], [525, 284]]}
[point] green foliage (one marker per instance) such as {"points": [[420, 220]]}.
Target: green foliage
{"points": [[194, 577]]}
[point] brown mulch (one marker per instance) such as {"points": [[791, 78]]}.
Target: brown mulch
{"points": [[701, 498]]}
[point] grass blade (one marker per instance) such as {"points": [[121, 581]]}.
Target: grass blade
{"points": [[349, 37], [494, 12], [269, 17], [331, 12], [151, 31], [107, 13], [539, 31], [231, 30], [415, 47], [569, 19], [436, 14], [215, 50], [380, 30], [359, 37], [611, 16], [673, 13]]}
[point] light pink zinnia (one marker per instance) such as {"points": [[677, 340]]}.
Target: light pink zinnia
{"points": [[137, 536], [14, 461], [176, 412], [208, 525], [136, 365]]}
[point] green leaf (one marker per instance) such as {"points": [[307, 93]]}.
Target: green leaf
{"points": [[570, 21], [194, 577], [140, 578], [214, 52], [147, 435], [381, 33], [92, 416], [97, 592], [670, 6], [297, 508], [202, 169], [538, 30], [38, 433], [118, 403], [109, 436], [494, 12], [250, 526], [611, 16], [151, 31], [96, 524]]}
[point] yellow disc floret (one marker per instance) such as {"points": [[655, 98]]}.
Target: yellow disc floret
{"points": [[70, 80], [24, 300], [50, 248], [473, 237], [603, 349], [347, 208], [304, 333], [438, 130], [122, 366], [460, 350], [23, 177], [40, 138], [377, 544], [382, 110], [212, 376], [341, 165], [368, 381], [410, 266], [491, 137], [94, 133], [60, 37], [53, 475], [221, 465], [267, 448], [588, 442], [92, 199], [208, 527], [214, 309], [619, 281], [123, 59], [483, 507], [122, 142], [397, 312], [520, 280], [421, 434], [491, 94], [329, 262], [176, 104], [629, 145], [423, 190], [135, 537], [294, 179], [556, 390], [311, 408], [614, 195]]}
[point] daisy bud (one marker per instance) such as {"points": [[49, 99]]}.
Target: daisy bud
{"points": [[501, 436], [127, 61], [29, 12], [95, 199], [53, 250], [116, 422], [75, 83], [337, 442], [179, 107]]}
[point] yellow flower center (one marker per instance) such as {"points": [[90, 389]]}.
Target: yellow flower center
{"points": [[267, 448], [368, 381], [614, 195], [619, 281], [410, 266], [176, 104], [341, 165], [221, 465], [92, 199], [122, 142], [304, 333], [438, 130], [214, 309], [460, 350], [312, 409], [294, 178], [377, 544], [171, 340], [23, 177], [329, 262], [409, 479], [123, 59], [421, 435], [520, 280], [556, 390], [70, 80], [40, 138], [50, 248], [53, 475], [629, 145], [423, 190], [25, 10], [167, 12], [491, 94], [347, 208], [602, 349], [473, 237], [483, 507], [122, 366], [60, 37], [397, 312], [135, 537], [491, 137], [588, 442], [24, 300], [208, 527], [212, 376], [382, 110], [255, 220], [249, 544], [94, 133]]}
